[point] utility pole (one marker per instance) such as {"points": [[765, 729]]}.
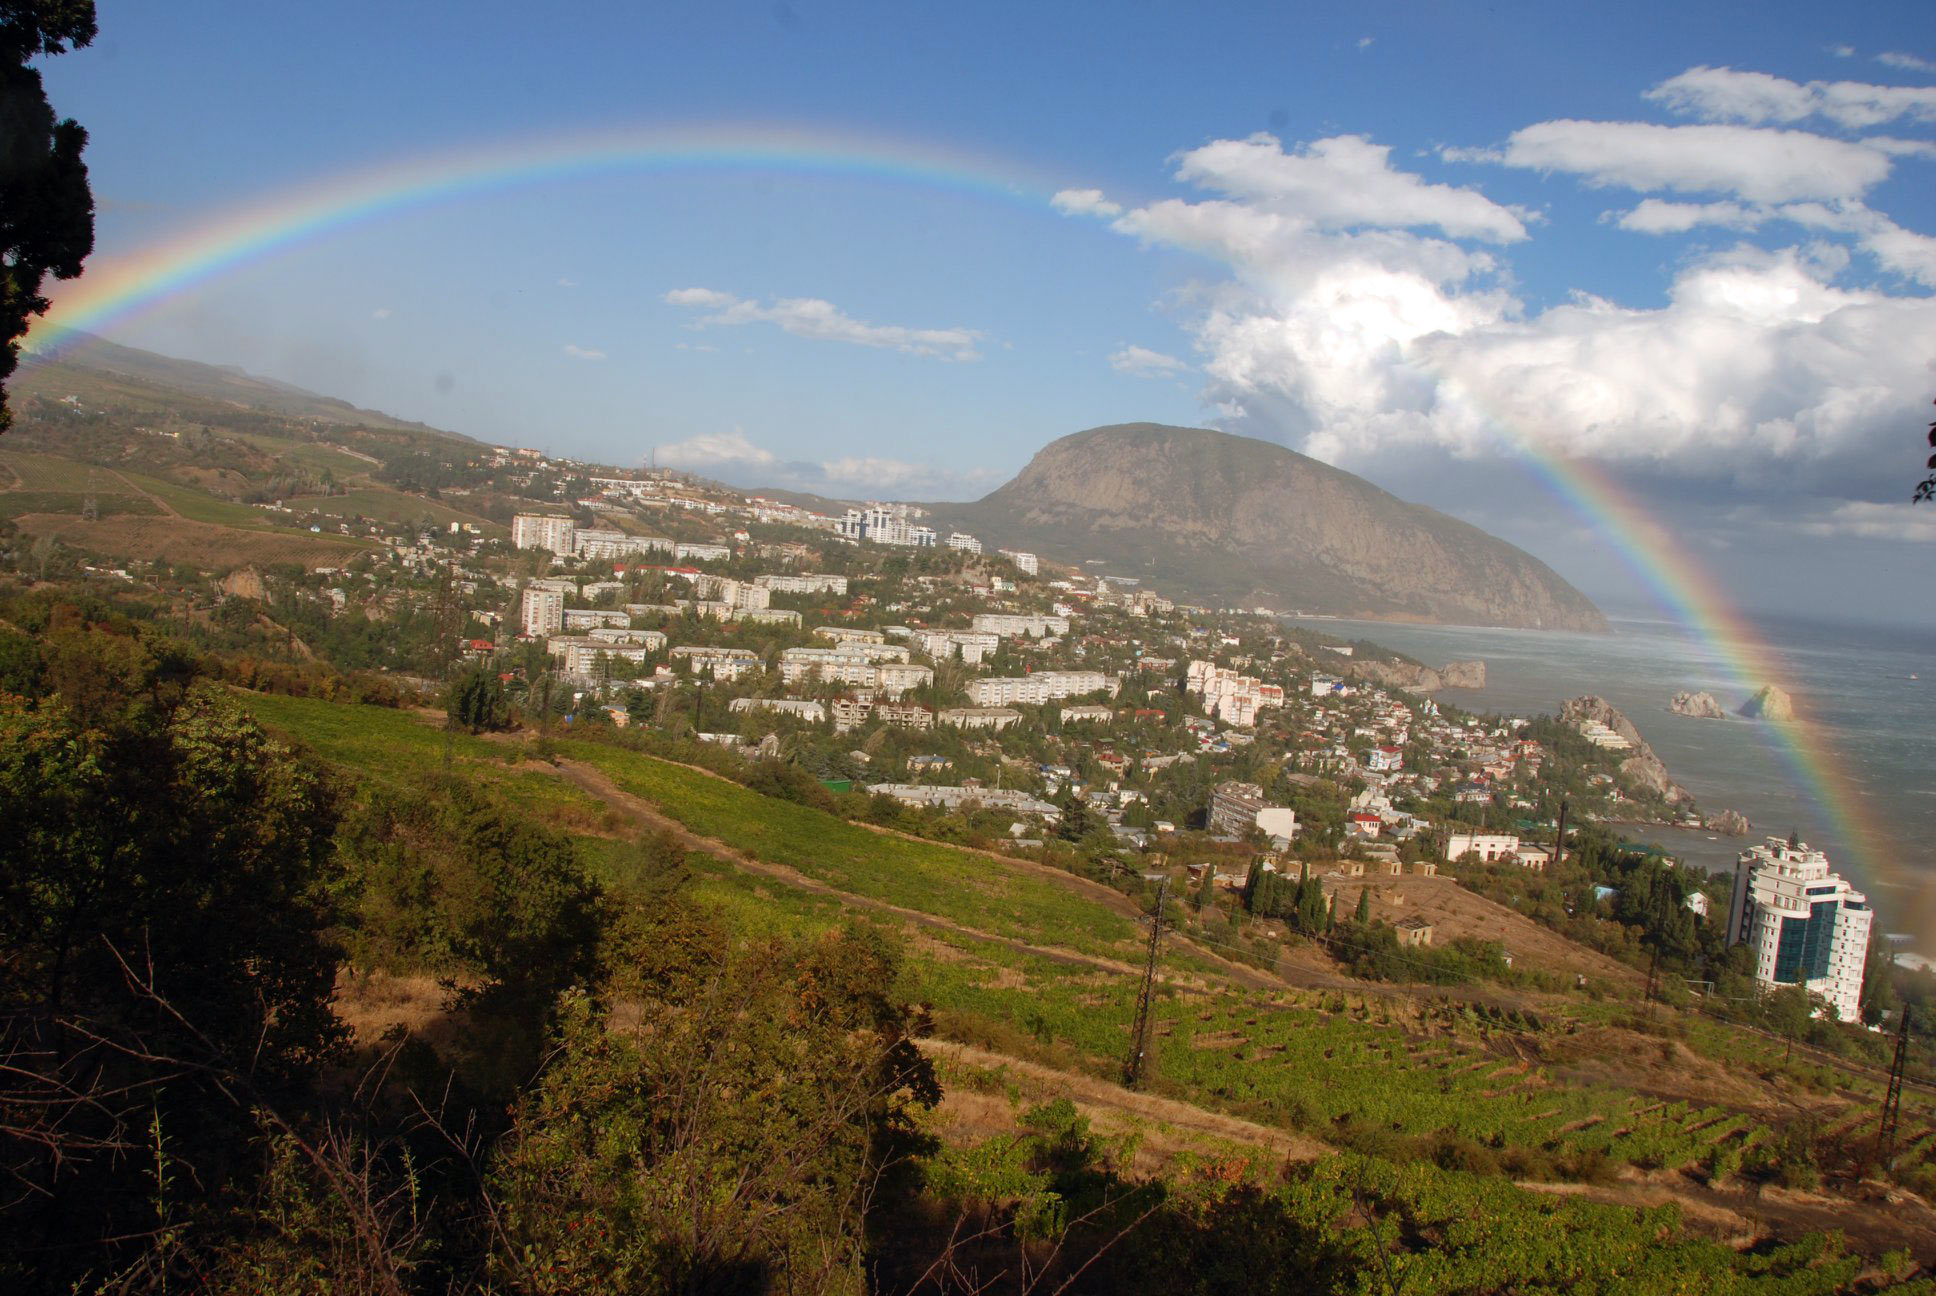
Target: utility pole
{"points": [[1559, 837], [1892, 1103], [1139, 1033]]}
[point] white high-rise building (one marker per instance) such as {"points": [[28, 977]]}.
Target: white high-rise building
{"points": [[1806, 924], [543, 611], [542, 531]]}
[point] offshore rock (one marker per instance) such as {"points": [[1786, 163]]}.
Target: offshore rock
{"points": [[1729, 823], [1769, 703], [1702, 706]]}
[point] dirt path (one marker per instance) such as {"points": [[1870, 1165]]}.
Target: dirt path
{"points": [[1740, 1215], [167, 509], [1112, 1108]]}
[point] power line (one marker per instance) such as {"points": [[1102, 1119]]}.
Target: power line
{"points": [[1892, 1101]]}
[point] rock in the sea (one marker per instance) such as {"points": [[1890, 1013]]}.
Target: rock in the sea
{"points": [[1464, 675], [1729, 823], [1703, 706], [1769, 703]]}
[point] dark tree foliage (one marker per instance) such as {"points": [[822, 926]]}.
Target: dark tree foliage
{"points": [[1926, 489], [164, 894], [46, 210], [477, 701]]}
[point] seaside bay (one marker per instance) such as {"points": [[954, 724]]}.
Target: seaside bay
{"points": [[1872, 721]]}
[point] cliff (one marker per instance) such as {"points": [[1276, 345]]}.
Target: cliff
{"points": [[1642, 769], [1420, 679], [1236, 522]]}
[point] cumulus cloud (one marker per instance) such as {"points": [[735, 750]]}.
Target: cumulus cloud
{"points": [[1756, 98], [713, 450], [1141, 362], [1346, 331], [1908, 62], [1345, 182], [1756, 163], [583, 353], [810, 317], [1084, 202]]}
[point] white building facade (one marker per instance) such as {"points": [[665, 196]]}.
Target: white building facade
{"points": [[1806, 925]]}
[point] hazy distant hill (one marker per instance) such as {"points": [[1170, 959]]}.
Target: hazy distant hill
{"points": [[224, 383], [1234, 521]]}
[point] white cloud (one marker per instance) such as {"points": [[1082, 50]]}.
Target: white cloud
{"points": [[714, 449], [1905, 252], [810, 317], [583, 353], [1723, 94], [1909, 62], [567, 283], [698, 297], [1840, 51], [1755, 163], [1084, 202], [1364, 42], [1379, 344], [381, 312], [1141, 362], [1345, 182], [1659, 216], [1865, 520]]}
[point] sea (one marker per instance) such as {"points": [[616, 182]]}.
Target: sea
{"points": [[1868, 694]]}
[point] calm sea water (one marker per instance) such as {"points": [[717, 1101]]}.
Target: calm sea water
{"points": [[1858, 686]]}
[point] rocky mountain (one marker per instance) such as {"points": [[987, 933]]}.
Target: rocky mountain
{"points": [[1233, 521]]}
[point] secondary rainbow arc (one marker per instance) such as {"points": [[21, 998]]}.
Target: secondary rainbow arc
{"points": [[114, 289]]}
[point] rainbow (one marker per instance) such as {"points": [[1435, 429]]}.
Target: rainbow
{"points": [[116, 288], [1691, 595]]}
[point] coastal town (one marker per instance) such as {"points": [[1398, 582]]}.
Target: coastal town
{"points": [[1005, 697]]}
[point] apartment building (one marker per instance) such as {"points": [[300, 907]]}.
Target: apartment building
{"points": [[808, 584], [1025, 562], [1014, 625], [541, 612], [542, 531], [1806, 925]]}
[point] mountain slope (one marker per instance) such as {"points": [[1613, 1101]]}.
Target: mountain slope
{"points": [[1232, 520], [223, 383]]}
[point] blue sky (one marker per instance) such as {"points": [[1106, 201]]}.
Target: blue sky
{"points": [[1690, 249]]}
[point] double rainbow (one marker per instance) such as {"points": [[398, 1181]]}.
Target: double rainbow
{"points": [[115, 288]]}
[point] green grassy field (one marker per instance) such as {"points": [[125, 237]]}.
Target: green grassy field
{"points": [[384, 505], [198, 506], [38, 472]]}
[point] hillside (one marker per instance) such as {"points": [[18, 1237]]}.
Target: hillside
{"points": [[1234, 521], [95, 367]]}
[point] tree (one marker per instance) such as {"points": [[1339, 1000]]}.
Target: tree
{"points": [[1926, 489], [477, 701], [164, 902], [46, 210], [1363, 915]]}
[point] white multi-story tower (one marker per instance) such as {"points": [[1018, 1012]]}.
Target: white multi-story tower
{"points": [[543, 611], [1806, 924], [542, 531]]}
